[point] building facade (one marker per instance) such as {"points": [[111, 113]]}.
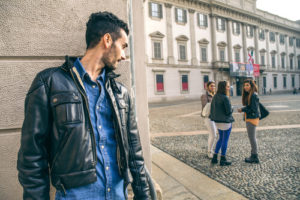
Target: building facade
{"points": [[189, 42]]}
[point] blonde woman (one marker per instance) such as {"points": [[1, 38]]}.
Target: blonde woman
{"points": [[210, 125], [251, 104]]}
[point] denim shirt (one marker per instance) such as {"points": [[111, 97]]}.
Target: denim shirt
{"points": [[109, 184]]}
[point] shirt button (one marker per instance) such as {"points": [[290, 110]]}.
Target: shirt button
{"points": [[94, 86], [102, 147], [97, 107], [106, 168], [108, 189], [99, 127]]}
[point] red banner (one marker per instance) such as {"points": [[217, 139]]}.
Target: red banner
{"points": [[256, 70]]}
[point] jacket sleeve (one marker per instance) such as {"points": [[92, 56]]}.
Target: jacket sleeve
{"points": [[252, 108], [203, 100], [227, 105], [32, 161], [140, 184]]}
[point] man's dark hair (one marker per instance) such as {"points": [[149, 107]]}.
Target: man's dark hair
{"points": [[101, 23], [222, 88]]}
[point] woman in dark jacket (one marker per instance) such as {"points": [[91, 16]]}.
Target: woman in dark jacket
{"points": [[221, 114], [251, 104]]}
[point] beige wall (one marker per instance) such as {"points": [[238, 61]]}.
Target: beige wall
{"points": [[34, 36]]}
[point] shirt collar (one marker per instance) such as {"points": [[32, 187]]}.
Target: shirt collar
{"points": [[83, 73]]}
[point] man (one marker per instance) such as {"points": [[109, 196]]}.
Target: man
{"points": [[80, 128]]}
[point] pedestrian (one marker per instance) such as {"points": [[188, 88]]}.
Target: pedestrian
{"points": [[221, 114], [80, 129], [250, 102], [210, 125]]}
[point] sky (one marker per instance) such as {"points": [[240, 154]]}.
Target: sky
{"points": [[284, 8]]}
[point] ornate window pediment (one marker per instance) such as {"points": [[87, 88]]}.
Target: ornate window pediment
{"points": [[156, 34], [263, 51], [250, 48], [291, 55], [182, 38], [203, 41], [273, 52], [237, 46], [221, 44], [283, 54]]}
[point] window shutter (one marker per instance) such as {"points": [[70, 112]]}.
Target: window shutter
{"points": [[205, 20], [160, 11], [198, 19], [150, 9], [184, 15], [176, 14], [217, 23]]}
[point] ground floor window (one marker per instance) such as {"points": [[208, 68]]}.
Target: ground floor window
{"points": [[184, 83], [159, 80], [293, 81], [284, 81], [275, 81], [205, 80]]}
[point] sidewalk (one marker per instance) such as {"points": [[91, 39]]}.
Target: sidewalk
{"points": [[179, 181]]}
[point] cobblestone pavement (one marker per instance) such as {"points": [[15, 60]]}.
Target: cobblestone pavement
{"points": [[277, 177]]}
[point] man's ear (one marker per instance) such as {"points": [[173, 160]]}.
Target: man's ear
{"points": [[107, 40]]}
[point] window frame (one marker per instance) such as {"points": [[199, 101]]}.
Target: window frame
{"points": [[281, 39], [250, 31], [221, 27], [275, 82], [291, 41], [205, 20], [272, 36], [284, 79], [160, 41], [182, 43], [236, 30], [261, 34], [156, 73], [182, 21], [181, 74], [160, 10]]}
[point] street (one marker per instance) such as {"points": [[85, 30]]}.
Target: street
{"points": [[179, 130]]}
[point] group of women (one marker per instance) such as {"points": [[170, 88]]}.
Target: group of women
{"points": [[220, 119]]}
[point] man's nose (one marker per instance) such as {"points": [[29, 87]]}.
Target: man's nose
{"points": [[123, 56]]}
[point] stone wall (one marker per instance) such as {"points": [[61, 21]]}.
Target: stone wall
{"points": [[35, 35]]}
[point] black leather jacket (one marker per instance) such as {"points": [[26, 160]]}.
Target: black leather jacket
{"points": [[221, 110], [58, 140], [251, 110]]}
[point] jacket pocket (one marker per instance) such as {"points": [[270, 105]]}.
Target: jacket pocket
{"points": [[66, 108], [123, 110]]}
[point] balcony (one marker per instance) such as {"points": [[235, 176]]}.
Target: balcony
{"points": [[221, 65]]}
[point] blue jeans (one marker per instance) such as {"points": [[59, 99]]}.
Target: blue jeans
{"points": [[223, 141]]}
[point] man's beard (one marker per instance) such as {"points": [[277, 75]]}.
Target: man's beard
{"points": [[111, 65]]}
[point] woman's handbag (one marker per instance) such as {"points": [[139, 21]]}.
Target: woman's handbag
{"points": [[206, 110], [263, 111]]}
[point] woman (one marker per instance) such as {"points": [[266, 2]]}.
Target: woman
{"points": [[251, 104], [221, 114], [212, 130]]}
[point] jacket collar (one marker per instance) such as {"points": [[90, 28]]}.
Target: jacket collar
{"points": [[110, 74]]}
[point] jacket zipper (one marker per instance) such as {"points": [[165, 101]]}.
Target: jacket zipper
{"points": [[92, 131]]}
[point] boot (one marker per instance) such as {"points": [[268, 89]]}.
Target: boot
{"points": [[252, 159], [224, 162], [214, 160]]}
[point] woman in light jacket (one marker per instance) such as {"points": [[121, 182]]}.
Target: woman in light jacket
{"points": [[210, 125], [221, 114], [251, 103]]}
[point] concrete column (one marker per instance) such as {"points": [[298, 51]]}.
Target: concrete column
{"points": [[287, 53], [244, 42], [267, 48], [192, 34], [169, 33], [213, 37], [256, 45], [277, 49], [229, 41]]}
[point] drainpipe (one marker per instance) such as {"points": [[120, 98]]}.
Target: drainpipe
{"points": [[131, 48]]}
